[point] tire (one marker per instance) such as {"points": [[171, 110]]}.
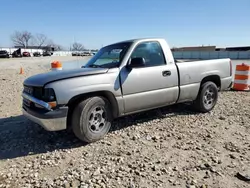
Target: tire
{"points": [[207, 97], [91, 119]]}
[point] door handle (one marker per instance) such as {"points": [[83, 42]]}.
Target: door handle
{"points": [[166, 73]]}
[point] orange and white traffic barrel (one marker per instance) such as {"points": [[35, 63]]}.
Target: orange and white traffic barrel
{"points": [[242, 78], [56, 65]]}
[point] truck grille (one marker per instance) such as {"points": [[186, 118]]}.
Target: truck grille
{"points": [[28, 90], [36, 92]]}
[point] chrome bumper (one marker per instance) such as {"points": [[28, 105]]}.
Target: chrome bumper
{"points": [[50, 120], [37, 101]]}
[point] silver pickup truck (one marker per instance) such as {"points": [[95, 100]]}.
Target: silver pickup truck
{"points": [[122, 78]]}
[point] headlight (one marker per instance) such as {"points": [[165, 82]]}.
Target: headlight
{"points": [[50, 97]]}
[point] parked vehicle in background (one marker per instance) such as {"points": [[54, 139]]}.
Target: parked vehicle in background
{"points": [[81, 53], [26, 54], [4, 54], [86, 53], [75, 53], [47, 53], [36, 54], [17, 53], [93, 52], [121, 79]]}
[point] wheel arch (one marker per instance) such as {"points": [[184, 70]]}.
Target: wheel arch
{"points": [[78, 98], [198, 103], [212, 78]]}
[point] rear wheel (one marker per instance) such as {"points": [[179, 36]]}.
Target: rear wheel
{"points": [[91, 119], [207, 97]]}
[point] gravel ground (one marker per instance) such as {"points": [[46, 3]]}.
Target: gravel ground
{"points": [[35, 62], [168, 147]]}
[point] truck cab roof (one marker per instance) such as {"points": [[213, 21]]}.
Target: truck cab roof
{"points": [[140, 40]]}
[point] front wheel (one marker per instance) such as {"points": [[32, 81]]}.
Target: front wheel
{"points": [[207, 97], [91, 119]]}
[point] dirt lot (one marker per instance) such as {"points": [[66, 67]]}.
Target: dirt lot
{"points": [[169, 147], [36, 62]]}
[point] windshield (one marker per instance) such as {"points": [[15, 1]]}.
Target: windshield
{"points": [[109, 56]]}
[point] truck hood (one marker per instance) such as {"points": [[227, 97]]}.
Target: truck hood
{"points": [[40, 80]]}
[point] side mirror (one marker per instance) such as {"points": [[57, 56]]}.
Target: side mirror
{"points": [[136, 62]]}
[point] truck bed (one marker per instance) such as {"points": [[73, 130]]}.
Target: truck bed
{"points": [[192, 72]]}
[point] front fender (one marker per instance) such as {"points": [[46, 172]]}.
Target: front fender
{"points": [[68, 88]]}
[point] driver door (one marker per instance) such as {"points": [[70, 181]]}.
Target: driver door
{"points": [[149, 86]]}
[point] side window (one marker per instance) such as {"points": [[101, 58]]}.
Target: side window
{"points": [[151, 52]]}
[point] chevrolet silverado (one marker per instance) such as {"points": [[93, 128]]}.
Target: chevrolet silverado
{"points": [[121, 79]]}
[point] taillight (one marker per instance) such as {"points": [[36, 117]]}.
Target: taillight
{"points": [[230, 68]]}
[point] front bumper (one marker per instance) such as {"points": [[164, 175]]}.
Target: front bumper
{"points": [[50, 120]]}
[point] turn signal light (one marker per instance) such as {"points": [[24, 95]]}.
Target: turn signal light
{"points": [[52, 104]]}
